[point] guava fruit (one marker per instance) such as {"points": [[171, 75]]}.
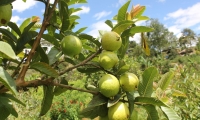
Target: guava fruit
{"points": [[108, 85], [108, 59], [5, 14], [119, 111], [71, 45], [129, 82], [111, 41]]}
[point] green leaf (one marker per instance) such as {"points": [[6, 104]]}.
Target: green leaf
{"points": [[44, 68], [80, 30], [53, 55], [6, 51], [71, 2], [170, 113], [27, 23], [145, 87], [15, 28], [165, 80], [8, 34], [64, 15], [178, 93], [5, 2], [11, 97], [114, 100], [47, 99], [123, 69], [109, 23], [123, 49], [130, 96], [137, 29], [7, 80], [141, 18], [152, 112], [43, 55], [122, 25], [148, 100], [6, 108], [90, 38], [97, 106], [122, 12], [25, 38]]}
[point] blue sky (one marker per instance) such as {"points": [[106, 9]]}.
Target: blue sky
{"points": [[174, 14]]}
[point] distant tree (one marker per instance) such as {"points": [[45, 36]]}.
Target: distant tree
{"points": [[187, 38], [160, 38]]}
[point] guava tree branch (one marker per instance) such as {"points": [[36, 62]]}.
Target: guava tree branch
{"points": [[45, 23], [81, 63]]}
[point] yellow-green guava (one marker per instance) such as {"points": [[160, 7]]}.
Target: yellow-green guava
{"points": [[108, 59], [119, 111], [109, 85], [111, 41], [71, 45], [5, 14], [129, 82]]}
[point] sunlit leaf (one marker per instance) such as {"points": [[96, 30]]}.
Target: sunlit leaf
{"points": [[152, 112], [122, 25], [165, 80], [144, 44], [7, 80], [6, 51], [178, 93], [47, 99], [145, 87], [149, 100], [44, 68], [122, 12], [170, 113]]}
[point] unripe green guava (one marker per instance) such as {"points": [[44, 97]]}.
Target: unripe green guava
{"points": [[111, 41], [129, 82], [5, 14], [109, 85], [71, 45], [108, 59], [119, 111]]}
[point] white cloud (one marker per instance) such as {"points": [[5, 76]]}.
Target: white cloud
{"points": [[184, 18], [20, 6], [15, 19], [102, 14], [100, 25], [84, 10]]}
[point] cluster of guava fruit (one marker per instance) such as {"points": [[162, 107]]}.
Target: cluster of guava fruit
{"points": [[109, 85], [5, 14]]}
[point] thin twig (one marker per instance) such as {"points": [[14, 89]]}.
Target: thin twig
{"points": [[74, 88], [81, 63]]}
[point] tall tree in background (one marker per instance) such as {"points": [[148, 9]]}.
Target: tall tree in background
{"points": [[160, 38], [187, 38]]}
